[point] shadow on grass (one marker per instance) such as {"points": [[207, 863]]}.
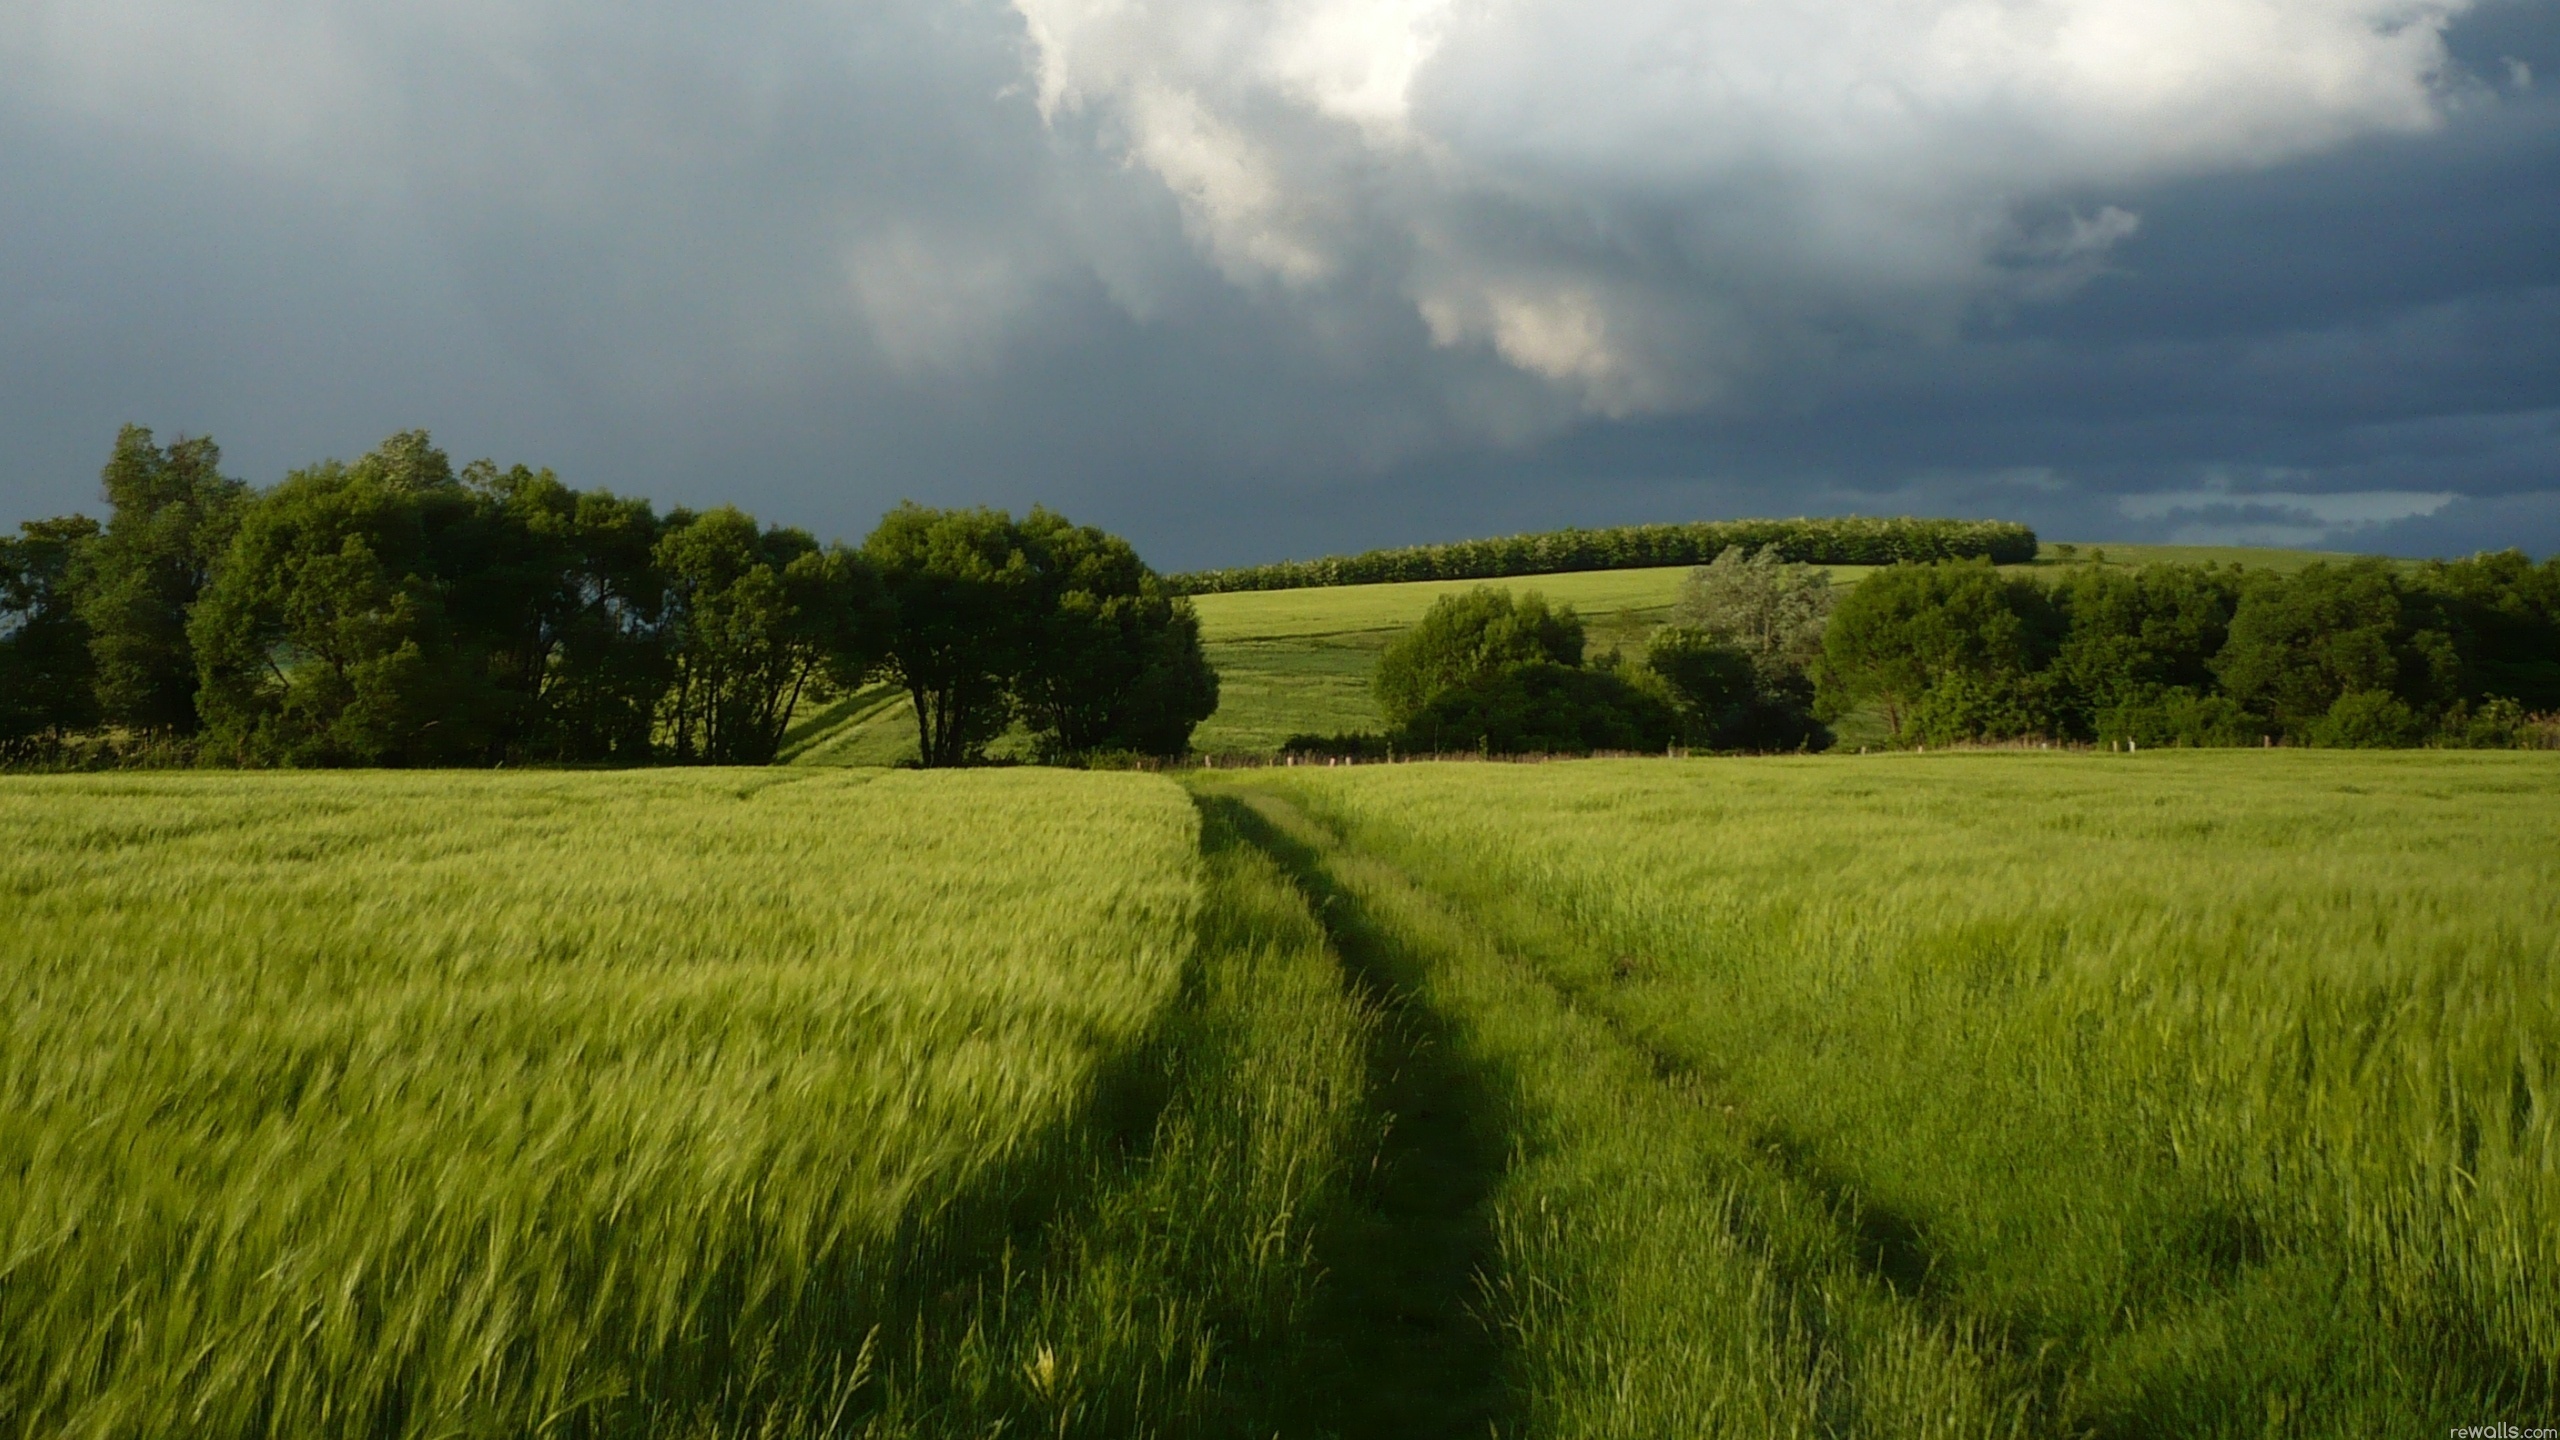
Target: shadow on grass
{"points": [[1402, 1353]]}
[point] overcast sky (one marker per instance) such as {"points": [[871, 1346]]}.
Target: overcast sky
{"points": [[1252, 278]]}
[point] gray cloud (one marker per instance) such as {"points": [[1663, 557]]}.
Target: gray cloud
{"points": [[1245, 280]]}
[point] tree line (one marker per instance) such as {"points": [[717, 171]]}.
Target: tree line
{"points": [[397, 610], [1762, 654], [1849, 540], [2360, 653]]}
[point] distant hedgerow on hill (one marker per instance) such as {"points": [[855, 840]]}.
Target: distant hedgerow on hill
{"points": [[1845, 540]]}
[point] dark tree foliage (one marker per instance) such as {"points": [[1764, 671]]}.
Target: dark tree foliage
{"points": [[2504, 614], [576, 610], [2137, 659], [170, 516], [1727, 698], [395, 612], [1851, 540], [1960, 627], [2301, 645], [756, 619], [1115, 662], [47, 673], [1464, 639], [1492, 672], [963, 594], [2363, 653], [1541, 707], [326, 637]]}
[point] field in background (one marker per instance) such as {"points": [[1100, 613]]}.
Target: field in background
{"points": [[2181, 1094], [1299, 661]]}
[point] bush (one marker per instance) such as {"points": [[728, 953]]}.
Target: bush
{"points": [[2368, 720], [1467, 639], [1542, 708], [2176, 716], [1849, 540]]}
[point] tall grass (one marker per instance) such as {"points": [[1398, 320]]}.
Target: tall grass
{"points": [[502, 1105], [2179, 1094], [1182, 1295]]}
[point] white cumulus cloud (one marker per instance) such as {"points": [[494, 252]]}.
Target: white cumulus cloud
{"points": [[1648, 202]]}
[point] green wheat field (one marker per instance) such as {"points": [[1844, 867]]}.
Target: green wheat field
{"points": [[2193, 1093]]}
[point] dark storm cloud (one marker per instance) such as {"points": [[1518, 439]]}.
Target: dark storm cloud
{"points": [[1356, 278]]}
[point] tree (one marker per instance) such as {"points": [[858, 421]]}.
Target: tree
{"points": [[170, 517], [2504, 615], [47, 673], [1770, 611], [325, 637], [757, 619], [2136, 660], [1909, 628], [1709, 676], [2301, 645], [1114, 661], [963, 596], [1541, 707], [1470, 638], [576, 609]]}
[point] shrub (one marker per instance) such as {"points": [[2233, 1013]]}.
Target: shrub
{"points": [[1542, 708], [2177, 716], [1467, 639]]}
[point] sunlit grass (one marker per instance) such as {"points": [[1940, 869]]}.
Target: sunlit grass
{"points": [[2165, 1095], [497, 1104]]}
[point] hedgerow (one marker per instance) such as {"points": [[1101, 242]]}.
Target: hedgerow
{"points": [[1843, 540]]}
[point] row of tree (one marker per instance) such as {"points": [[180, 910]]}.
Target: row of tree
{"points": [[2364, 653], [1846, 540], [397, 611], [1762, 654]]}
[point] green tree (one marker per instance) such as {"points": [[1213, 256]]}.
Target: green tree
{"points": [[170, 517], [1910, 628], [576, 610], [47, 672], [757, 619], [2301, 644], [325, 638], [1470, 638], [2504, 614], [1710, 677], [2136, 660], [1771, 611], [963, 594], [1541, 707], [1114, 661]]}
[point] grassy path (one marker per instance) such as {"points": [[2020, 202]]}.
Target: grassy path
{"points": [[1646, 1263], [1409, 1349]]}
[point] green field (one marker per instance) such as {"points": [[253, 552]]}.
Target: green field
{"points": [[2206, 1094], [2191, 1093], [730, 1101]]}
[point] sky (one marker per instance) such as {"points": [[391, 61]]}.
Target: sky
{"points": [[1254, 279]]}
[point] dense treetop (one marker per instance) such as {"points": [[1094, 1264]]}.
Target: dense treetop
{"points": [[398, 611]]}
